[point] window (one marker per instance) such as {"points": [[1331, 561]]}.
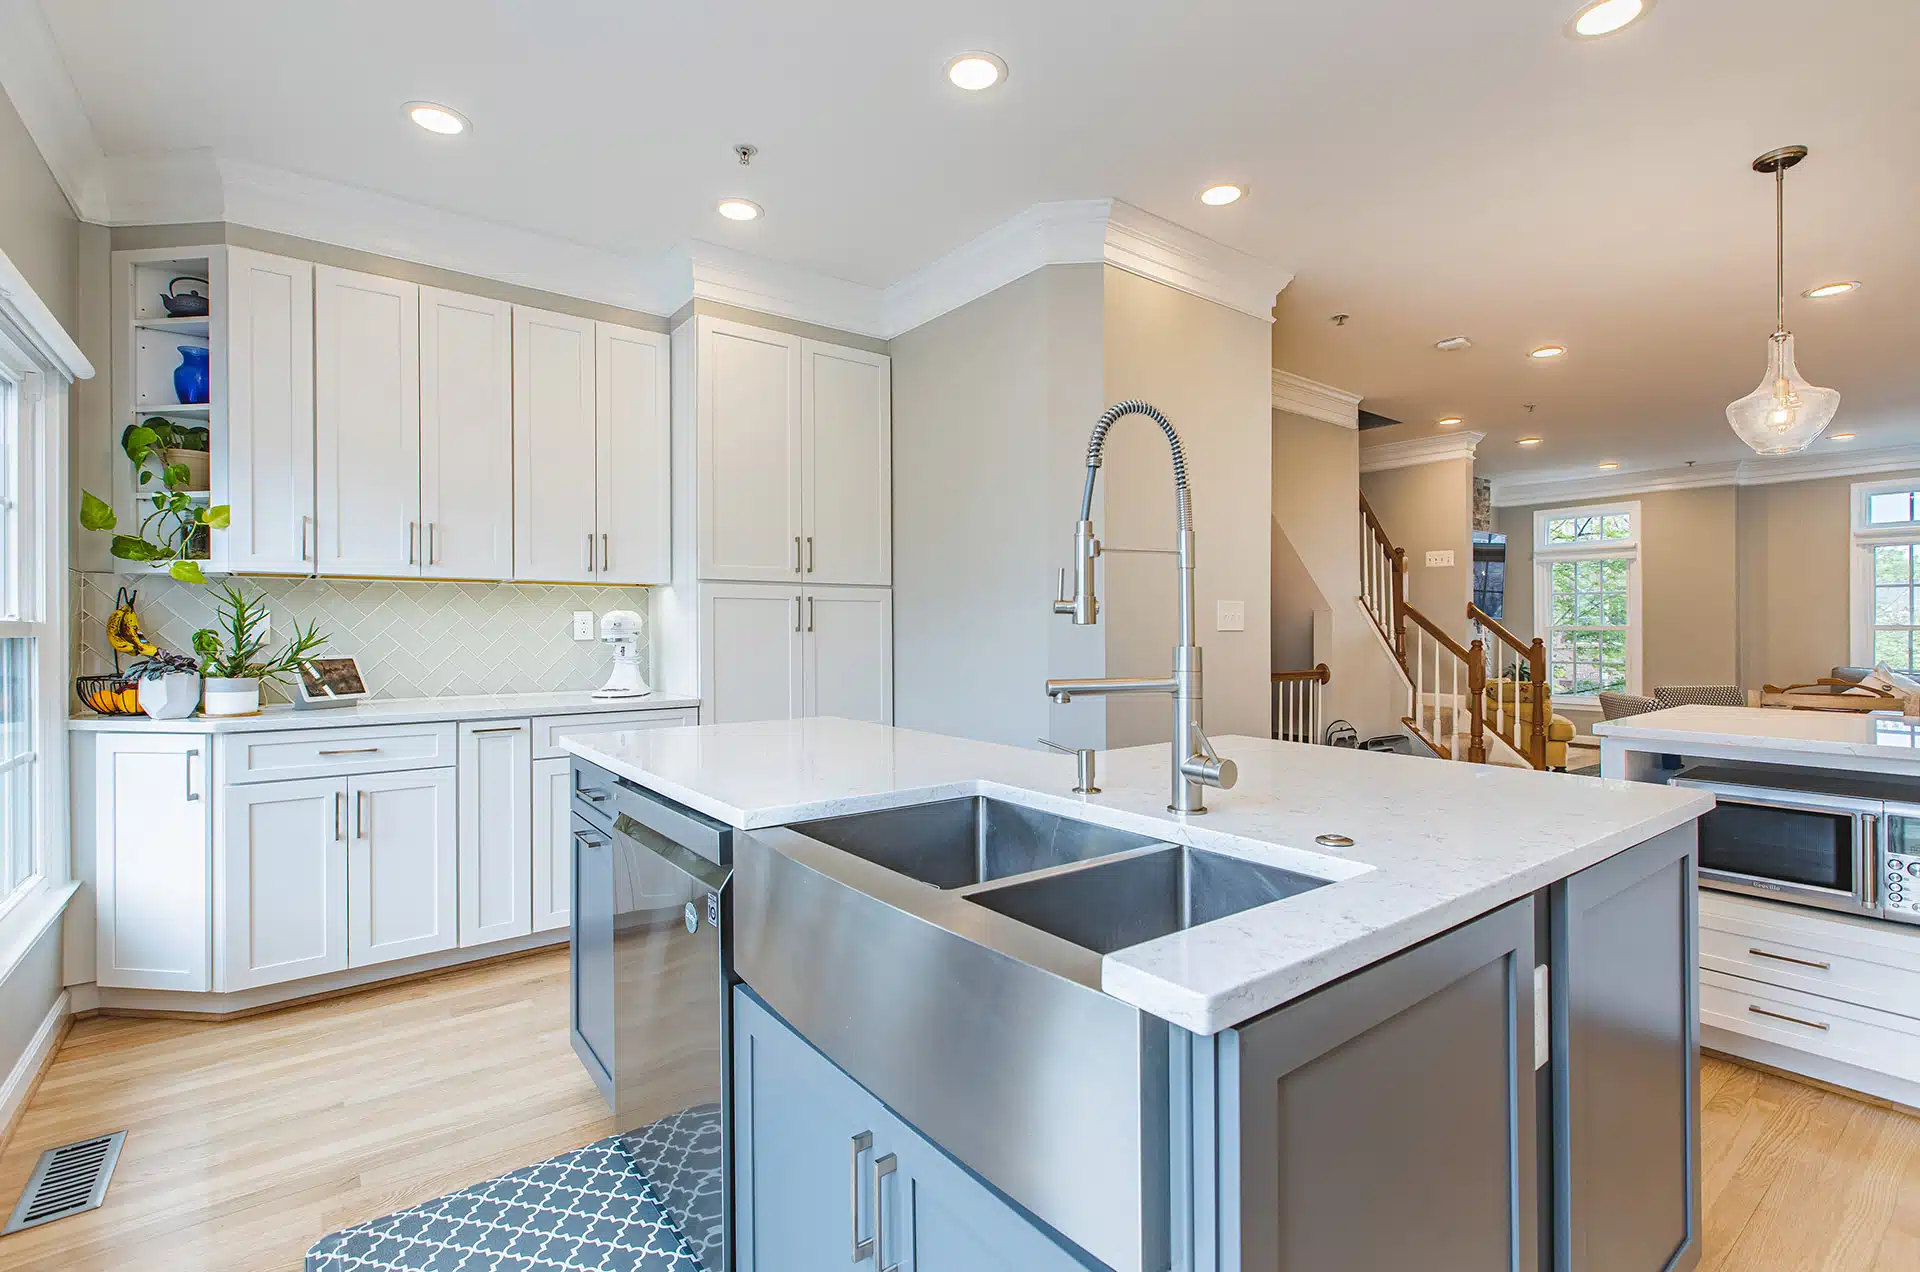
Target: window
{"points": [[1587, 598], [1886, 575], [20, 774], [1490, 573]]}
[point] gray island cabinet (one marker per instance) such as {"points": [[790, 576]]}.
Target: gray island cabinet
{"points": [[1428, 1112]]}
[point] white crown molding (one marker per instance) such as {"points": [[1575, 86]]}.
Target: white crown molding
{"points": [[1516, 490], [1156, 248], [1419, 450], [22, 311], [37, 82], [1317, 401], [698, 270]]}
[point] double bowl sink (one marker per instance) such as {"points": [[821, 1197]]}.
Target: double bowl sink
{"points": [[947, 956]]}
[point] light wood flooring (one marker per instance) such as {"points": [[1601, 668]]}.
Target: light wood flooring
{"points": [[251, 1139]]}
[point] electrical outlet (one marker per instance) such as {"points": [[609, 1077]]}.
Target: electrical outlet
{"points": [[1230, 616], [1436, 560], [583, 624]]}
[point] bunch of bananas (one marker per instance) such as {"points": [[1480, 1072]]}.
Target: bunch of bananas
{"points": [[123, 629]]}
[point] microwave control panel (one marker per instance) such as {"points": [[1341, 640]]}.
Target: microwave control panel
{"points": [[1900, 887]]}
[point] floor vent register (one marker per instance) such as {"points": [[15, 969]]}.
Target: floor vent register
{"points": [[68, 1180]]}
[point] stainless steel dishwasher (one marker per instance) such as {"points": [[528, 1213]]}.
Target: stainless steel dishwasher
{"points": [[650, 966]]}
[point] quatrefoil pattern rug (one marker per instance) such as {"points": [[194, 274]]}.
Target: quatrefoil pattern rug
{"points": [[591, 1210]]}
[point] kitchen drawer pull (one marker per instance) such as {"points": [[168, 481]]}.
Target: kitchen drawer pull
{"points": [[505, 728], [590, 841], [882, 1169], [589, 552], [306, 524], [809, 613], [604, 567], [339, 815], [594, 795], [1788, 958], [861, 1143], [1795, 1020], [352, 750], [412, 527]]}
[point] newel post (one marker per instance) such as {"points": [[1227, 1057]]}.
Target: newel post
{"points": [[1537, 667], [1400, 604], [1477, 701]]}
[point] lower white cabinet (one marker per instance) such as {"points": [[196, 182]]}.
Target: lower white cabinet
{"points": [[770, 652], [152, 851], [496, 831], [402, 866], [848, 653], [282, 882], [552, 839]]}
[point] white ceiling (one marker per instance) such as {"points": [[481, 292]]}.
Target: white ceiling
{"points": [[1430, 168]]}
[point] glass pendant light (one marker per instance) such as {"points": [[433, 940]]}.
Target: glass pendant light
{"points": [[1785, 414]]}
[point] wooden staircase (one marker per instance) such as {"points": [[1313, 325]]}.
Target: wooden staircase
{"points": [[1449, 703]]}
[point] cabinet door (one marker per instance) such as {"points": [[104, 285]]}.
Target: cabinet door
{"points": [[466, 436], [366, 365], [1626, 1057], [590, 954], [846, 429], [496, 831], [805, 1138], [552, 843], [269, 415], [849, 653], [402, 899], [748, 426], [751, 651], [937, 1217], [553, 447], [1387, 1121], [634, 455], [152, 867], [283, 882]]}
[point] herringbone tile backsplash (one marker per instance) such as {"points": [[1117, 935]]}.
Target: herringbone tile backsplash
{"points": [[413, 639]]}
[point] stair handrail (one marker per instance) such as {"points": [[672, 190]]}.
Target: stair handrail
{"points": [[1303, 713], [1475, 660], [1322, 673], [1535, 652], [1395, 628]]}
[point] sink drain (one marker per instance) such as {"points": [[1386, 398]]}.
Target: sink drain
{"points": [[1334, 841]]}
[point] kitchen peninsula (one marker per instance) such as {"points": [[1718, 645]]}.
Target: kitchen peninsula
{"points": [[1369, 1011]]}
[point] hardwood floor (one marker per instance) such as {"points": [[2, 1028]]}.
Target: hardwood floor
{"points": [[251, 1139]]}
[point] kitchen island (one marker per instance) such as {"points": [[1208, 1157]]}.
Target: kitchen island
{"points": [[1368, 1011]]}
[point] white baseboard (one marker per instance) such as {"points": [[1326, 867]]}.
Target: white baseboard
{"points": [[1851, 1077], [27, 1070]]}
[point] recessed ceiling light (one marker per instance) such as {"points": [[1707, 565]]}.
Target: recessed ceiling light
{"points": [[739, 209], [436, 118], [1529, 441], [1610, 465], [1548, 351], [1830, 289], [1218, 196], [1453, 344], [1840, 437], [1608, 16], [1451, 421], [976, 71]]}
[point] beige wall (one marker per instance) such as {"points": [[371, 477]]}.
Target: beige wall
{"points": [[1428, 508]]}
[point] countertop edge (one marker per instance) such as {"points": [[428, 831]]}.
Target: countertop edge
{"points": [[415, 711]]}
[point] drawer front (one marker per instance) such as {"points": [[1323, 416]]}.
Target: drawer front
{"points": [[549, 730], [1875, 1040], [1811, 969], [275, 757], [592, 791]]}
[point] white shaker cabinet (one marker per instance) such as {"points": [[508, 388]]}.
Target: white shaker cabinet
{"points": [[751, 518], [633, 455], [553, 447], [846, 428], [152, 851], [402, 862], [552, 851], [496, 831], [751, 652], [848, 653], [281, 885], [366, 361], [267, 419], [466, 436]]}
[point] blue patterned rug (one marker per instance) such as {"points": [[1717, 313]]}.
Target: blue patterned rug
{"points": [[592, 1210]]}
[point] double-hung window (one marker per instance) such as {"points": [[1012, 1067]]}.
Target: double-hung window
{"points": [[1885, 621], [1586, 598], [26, 635]]}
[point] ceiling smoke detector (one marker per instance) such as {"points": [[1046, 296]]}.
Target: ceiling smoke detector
{"points": [[1453, 344]]}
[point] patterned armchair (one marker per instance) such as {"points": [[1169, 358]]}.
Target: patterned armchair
{"points": [[1699, 696]]}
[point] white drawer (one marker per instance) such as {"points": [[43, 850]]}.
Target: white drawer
{"points": [[548, 730], [274, 757], [1862, 961], [1874, 1040]]}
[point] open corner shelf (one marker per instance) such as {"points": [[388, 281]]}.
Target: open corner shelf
{"points": [[189, 410], [178, 326]]}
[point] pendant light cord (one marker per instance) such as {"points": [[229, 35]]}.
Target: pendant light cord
{"points": [[1780, 249]]}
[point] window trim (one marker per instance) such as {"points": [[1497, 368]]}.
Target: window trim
{"points": [[1864, 538], [1545, 556]]}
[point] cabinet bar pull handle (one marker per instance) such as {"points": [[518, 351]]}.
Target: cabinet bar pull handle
{"points": [[339, 815], [861, 1143], [882, 1168], [412, 526], [593, 794], [306, 524], [1788, 958], [1811, 1024], [589, 552], [360, 815], [809, 613], [433, 543], [352, 750], [603, 553], [192, 755], [796, 554], [505, 728], [809, 554]]}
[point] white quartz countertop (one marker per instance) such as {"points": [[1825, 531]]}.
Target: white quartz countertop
{"points": [[1843, 735], [1435, 843], [504, 706]]}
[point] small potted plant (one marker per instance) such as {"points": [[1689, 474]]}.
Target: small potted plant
{"points": [[173, 531], [169, 684], [234, 655]]}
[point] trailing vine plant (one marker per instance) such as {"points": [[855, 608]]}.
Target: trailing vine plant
{"points": [[169, 518]]}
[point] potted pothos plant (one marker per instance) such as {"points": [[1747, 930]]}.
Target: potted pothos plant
{"points": [[174, 527], [234, 657]]}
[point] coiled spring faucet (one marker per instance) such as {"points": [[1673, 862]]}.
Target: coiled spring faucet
{"points": [[1195, 765]]}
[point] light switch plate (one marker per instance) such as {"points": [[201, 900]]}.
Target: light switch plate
{"points": [[583, 624], [1435, 559], [1230, 616]]}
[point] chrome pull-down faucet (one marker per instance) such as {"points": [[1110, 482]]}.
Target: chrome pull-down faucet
{"points": [[1195, 764]]}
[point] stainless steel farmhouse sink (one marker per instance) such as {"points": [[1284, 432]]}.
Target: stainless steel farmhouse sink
{"points": [[952, 843], [948, 957]]}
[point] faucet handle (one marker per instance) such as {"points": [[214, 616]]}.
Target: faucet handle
{"points": [[1206, 767], [1063, 604], [1084, 757]]}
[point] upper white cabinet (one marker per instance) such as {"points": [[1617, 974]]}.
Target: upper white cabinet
{"points": [[794, 472], [846, 432], [366, 361], [633, 495], [466, 436], [268, 416], [553, 442]]}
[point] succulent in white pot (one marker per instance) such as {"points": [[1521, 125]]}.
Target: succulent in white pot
{"points": [[234, 655], [169, 685]]}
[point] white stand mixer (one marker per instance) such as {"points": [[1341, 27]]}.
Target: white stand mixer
{"points": [[621, 629]]}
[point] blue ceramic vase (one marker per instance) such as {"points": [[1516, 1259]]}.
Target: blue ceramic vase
{"points": [[191, 378]]}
